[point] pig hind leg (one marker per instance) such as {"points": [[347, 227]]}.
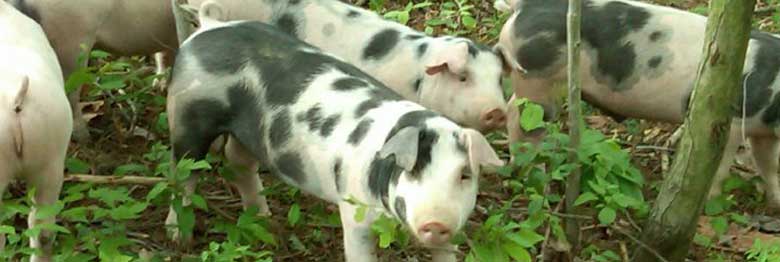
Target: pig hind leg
{"points": [[766, 151], [5, 179], [246, 179], [47, 184]]}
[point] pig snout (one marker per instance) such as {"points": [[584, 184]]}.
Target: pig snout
{"points": [[434, 234], [492, 119]]}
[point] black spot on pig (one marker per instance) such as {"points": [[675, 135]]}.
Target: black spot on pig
{"points": [[353, 14], [655, 36], [475, 49], [280, 128], [400, 208], [290, 165], [655, 62], [766, 64], [203, 120], [459, 144], [413, 37], [381, 44], [288, 23], [313, 117], [771, 116], [544, 23], [360, 131], [381, 173], [295, 2], [366, 106], [421, 49], [426, 141], [337, 174], [417, 83], [329, 124], [539, 53], [27, 10], [328, 29], [348, 84]]}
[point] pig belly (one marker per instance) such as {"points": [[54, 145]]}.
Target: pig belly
{"points": [[140, 27]]}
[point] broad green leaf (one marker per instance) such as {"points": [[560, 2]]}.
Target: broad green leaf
{"points": [[532, 117], [198, 201], [585, 198], [469, 22], [517, 252], [294, 214], [607, 215], [525, 238], [719, 224], [49, 211], [8, 230], [131, 168], [156, 190], [76, 166], [76, 214]]}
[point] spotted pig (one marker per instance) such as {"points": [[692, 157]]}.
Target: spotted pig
{"points": [[640, 60], [326, 127]]}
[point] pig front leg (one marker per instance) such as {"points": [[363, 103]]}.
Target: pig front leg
{"points": [[766, 151], [47, 186], [162, 60], [359, 241], [246, 179], [729, 153]]}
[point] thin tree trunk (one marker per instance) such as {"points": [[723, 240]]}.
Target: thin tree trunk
{"points": [[575, 116], [674, 217]]}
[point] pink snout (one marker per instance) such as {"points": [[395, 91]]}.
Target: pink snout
{"points": [[492, 119], [434, 234]]}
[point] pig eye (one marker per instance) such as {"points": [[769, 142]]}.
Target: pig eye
{"points": [[463, 79], [465, 175]]}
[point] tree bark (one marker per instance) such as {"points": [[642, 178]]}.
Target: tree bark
{"points": [[575, 115], [674, 217]]}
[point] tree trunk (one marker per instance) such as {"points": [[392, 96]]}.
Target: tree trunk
{"points": [[674, 217], [575, 115]]}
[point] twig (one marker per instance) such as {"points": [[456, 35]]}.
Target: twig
{"points": [[224, 214], [658, 148], [547, 232], [766, 9], [114, 180], [640, 243], [558, 214], [624, 251]]}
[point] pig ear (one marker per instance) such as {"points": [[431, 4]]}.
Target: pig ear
{"points": [[509, 63], [211, 13], [479, 150], [453, 58], [506, 6], [404, 146]]}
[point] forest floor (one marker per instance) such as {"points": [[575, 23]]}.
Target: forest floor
{"points": [[128, 133]]}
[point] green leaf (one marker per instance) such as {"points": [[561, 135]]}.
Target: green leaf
{"points": [[128, 211], [156, 190], [49, 211], [77, 79], [131, 168], [469, 22], [715, 206], [75, 165], [360, 213], [719, 224], [199, 202], [585, 198], [525, 238], [532, 117], [607, 215], [294, 214], [702, 240], [517, 253], [76, 214], [7, 230]]}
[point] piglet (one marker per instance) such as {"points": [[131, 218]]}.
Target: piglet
{"points": [[326, 127]]}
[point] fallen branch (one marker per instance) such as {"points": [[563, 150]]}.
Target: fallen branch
{"points": [[114, 180]]}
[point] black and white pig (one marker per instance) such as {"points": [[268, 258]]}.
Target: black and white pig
{"points": [[640, 60], [453, 76], [35, 119], [326, 127]]}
